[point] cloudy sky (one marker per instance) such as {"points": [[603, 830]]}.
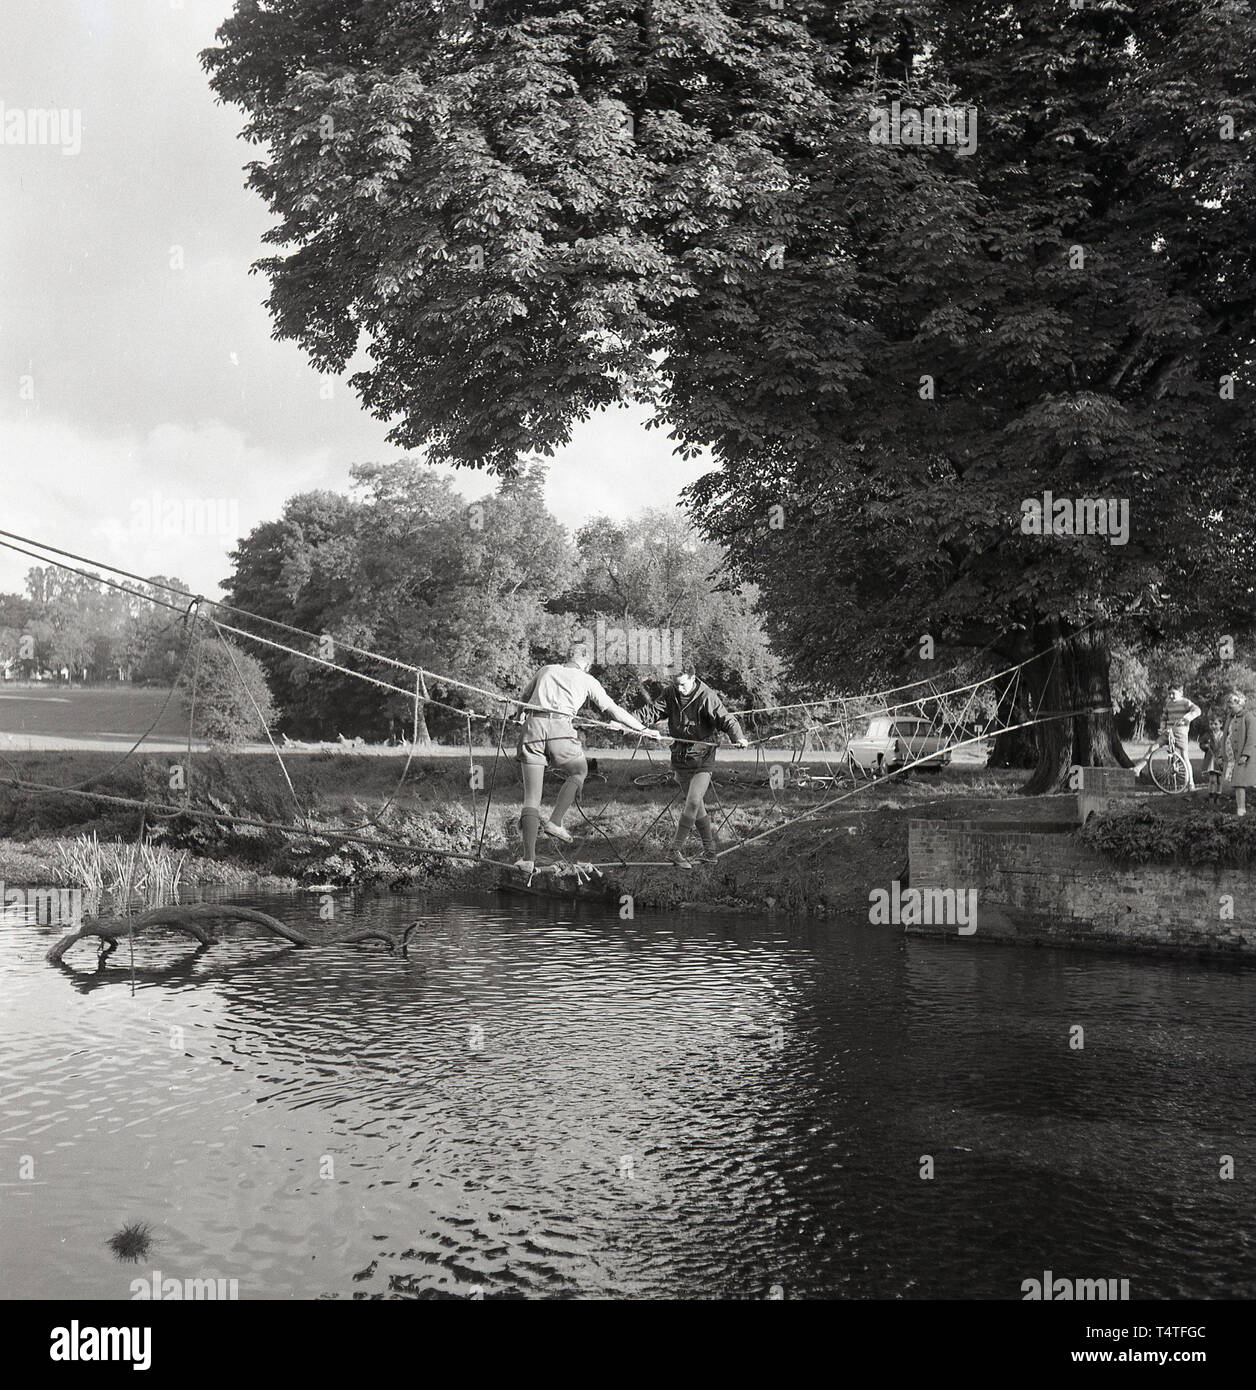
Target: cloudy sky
{"points": [[142, 395]]}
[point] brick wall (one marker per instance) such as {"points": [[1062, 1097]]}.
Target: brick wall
{"points": [[1104, 789], [1036, 885]]}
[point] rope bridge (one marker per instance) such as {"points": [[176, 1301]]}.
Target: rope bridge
{"points": [[825, 733]]}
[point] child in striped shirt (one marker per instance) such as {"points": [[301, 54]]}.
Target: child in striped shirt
{"points": [[1178, 714]]}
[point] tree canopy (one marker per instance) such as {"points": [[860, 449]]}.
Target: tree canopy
{"points": [[527, 213], [223, 692], [483, 592], [654, 572]]}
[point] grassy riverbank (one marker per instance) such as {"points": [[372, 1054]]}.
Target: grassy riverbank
{"points": [[822, 864], [830, 862]]}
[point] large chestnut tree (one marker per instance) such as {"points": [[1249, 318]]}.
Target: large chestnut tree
{"points": [[526, 213]]}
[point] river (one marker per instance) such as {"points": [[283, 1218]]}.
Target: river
{"points": [[546, 1102]]}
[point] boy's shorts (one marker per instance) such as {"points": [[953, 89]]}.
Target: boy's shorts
{"points": [[549, 740], [691, 760]]}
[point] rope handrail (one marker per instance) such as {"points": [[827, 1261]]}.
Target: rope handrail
{"points": [[192, 613], [897, 772], [382, 842], [420, 672]]}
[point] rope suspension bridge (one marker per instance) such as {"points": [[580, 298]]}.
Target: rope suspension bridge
{"points": [[823, 732]]}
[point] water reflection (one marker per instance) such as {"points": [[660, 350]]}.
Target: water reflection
{"points": [[542, 1104]]}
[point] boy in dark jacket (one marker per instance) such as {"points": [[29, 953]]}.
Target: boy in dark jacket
{"points": [[695, 714], [1214, 744]]}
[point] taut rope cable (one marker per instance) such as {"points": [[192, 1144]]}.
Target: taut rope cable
{"points": [[898, 772], [492, 781], [406, 666], [610, 799], [302, 832], [380, 842], [471, 771], [192, 615], [665, 811], [226, 607], [275, 622], [405, 770], [113, 767], [280, 646], [283, 767]]}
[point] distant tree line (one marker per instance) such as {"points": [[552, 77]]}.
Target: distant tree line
{"points": [[92, 630], [405, 567], [484, 592]]}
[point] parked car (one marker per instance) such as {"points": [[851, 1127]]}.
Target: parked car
{"points": [[892, 742]]}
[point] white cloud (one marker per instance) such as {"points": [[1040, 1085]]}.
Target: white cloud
{"points": [[172, 502], [176, 500], [157, 381]]}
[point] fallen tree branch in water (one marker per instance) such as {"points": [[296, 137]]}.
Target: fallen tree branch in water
{"points": [[189, 919]]}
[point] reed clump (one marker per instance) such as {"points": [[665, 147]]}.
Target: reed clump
{"points": [[119, 869]]}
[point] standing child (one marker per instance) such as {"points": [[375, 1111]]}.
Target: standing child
{"points": [[1214, 745], [1179, 712]]}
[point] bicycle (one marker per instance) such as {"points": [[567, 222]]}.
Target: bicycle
{"points": [[803, 777], [655, 779], [1164, 765]]}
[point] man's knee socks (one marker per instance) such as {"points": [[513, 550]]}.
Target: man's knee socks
{"points": [[682, 830], [530, 826]]}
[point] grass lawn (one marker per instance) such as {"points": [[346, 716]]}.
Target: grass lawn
{"points": [[114, 713]]}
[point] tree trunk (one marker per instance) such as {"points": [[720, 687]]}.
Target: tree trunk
{"points": [[1069, 689], [190, 918]]}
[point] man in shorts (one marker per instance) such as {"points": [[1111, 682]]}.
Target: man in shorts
{"points": [[556, 695]]}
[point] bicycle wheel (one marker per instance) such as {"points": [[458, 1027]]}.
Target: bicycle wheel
{"points": [[1168, 770], [652, 779]]}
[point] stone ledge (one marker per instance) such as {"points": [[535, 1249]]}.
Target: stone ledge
{"points": [[1044, 888]]}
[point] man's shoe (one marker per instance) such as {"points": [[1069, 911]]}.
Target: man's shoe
{"points": [[526, 866], [710, 856], [557, 832], [680, 861]]}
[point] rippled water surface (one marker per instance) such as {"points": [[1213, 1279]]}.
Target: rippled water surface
{"points": [[547, 1103]]}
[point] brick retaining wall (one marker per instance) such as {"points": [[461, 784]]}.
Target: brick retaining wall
{"points": [[1040, 886]]}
